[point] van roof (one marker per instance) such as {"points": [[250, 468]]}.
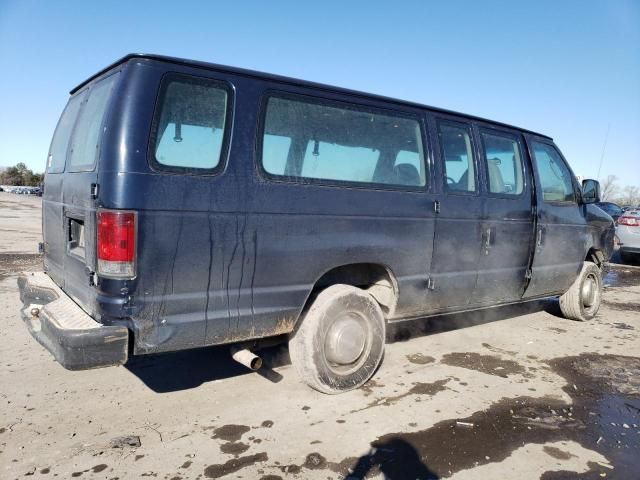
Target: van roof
{"points": [[289, 80]]}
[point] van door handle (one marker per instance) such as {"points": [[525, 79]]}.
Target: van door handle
{"points": [[540, 237]]}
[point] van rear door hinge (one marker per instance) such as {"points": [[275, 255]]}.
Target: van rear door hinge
{"points": [[431, 285], [436, 206], [527, 274], [94, 191]]}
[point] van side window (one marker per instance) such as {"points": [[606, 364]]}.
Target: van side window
{"points": [[189, 132], [62, 135], [457, 153], [307, 140], [555, 177], [86, 135], [504, 164]]}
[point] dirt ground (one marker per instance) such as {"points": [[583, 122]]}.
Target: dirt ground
{"points": [[510, 393]]}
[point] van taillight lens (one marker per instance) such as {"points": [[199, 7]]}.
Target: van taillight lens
{"points": [[116, 243], [629, 221]]}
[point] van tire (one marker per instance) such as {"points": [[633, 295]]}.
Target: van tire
{"points": [[582, 300], [340, 340]]}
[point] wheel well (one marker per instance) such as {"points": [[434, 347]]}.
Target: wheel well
{"points": [[596, 256], [376, 279]]}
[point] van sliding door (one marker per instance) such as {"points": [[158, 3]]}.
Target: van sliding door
{"points": [[456, 247]]}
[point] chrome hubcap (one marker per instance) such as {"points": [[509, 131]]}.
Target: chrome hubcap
{"points": [[588, 293], [345, 340]]}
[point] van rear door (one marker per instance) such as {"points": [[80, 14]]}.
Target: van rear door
{"points": [[70, 183]]}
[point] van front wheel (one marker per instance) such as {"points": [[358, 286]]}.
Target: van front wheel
{"points": [[340, 341], [582, 300]]}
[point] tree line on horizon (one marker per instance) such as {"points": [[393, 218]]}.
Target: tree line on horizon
{"points": [[611, 191], [20, 176]]}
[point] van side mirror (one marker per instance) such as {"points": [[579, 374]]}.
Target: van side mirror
{"points": [[590, 191]]}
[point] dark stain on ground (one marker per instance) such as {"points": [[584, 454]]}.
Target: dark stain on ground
{"points": [[622, 277], [230, 433], [623, 307], [233, 465], [234, 448], [557, 453], [420, 359], [271, 477], [15, 263], [186, 464], [315, 461], [557, 330], [489, 364], [138, 457], [417, 389], [594, 472], [498, 350], [99, 468], [368, 387], [44, 471], [267, 424], [623, 326], [604, 416]]}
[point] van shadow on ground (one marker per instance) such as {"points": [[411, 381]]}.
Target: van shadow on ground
{"points": [[184, 370]]}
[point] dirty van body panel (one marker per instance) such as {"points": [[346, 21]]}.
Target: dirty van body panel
{"points": [[234, 256], [185, 231], [230, 253], [507, 229], [52, 228]]}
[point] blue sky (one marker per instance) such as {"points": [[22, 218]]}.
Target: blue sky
{"points": [[568, 69]]}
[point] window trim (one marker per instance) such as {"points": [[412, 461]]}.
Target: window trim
{"points": [[517, 137], [565, 163], [165, 81], [469, 127], [348, 105]]}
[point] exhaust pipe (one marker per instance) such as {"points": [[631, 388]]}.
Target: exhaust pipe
{"points": [[246, 357]]}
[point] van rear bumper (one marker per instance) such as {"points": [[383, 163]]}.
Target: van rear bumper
{"points": [[75, 339]]}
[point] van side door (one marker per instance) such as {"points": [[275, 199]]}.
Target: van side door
{"points": [[507, 227], [456, 245], [561, 235]]}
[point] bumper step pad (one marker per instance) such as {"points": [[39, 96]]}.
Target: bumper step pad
{"points": [[75, 339]]}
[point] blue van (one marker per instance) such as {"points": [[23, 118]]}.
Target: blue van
{"points": [[189, 204]]}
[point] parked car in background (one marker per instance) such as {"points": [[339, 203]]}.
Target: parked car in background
{"points": [[611, 208], [628, 233], [188, 204]]}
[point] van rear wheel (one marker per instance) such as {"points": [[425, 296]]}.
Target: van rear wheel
{"points": [[340, 341], [582, 300]]}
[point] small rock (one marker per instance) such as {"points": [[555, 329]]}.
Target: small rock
{"points": [[126, 441]]}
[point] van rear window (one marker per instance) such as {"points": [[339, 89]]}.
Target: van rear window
{"points": [[306, 140], [189, 130], [62, 135], [86, 135]]}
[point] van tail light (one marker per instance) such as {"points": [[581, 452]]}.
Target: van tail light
{"points": [[629, 221], [116, 243]]}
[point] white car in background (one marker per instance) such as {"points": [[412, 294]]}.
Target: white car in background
{"points": [[628, 233]]}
